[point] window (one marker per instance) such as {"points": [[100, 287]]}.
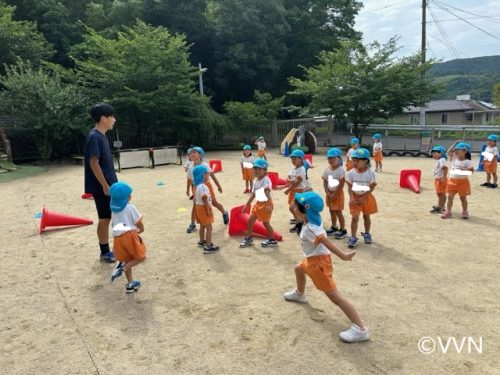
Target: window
{"points": [[469, 117], [488, 117], [414, 119], [444, 118]]}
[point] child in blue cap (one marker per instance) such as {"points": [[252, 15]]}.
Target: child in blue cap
{"points": [[348, 162], [246, 162], [296, 183], [440, 177], [490, 166], [317, 264], [377, 151], [127, 224], [333, 184]]}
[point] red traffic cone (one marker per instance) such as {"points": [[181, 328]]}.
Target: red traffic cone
{"points": [[215, 165], [238, 224], [276, 180], [310, 158], [56, 219], [410, 179], [87, 196]]}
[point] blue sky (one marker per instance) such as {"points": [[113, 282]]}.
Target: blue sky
{"points": [[381, 19]]}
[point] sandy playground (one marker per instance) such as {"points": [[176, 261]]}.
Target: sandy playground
{"points": [[224, 313]]}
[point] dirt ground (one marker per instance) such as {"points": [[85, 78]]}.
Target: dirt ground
{"points": [[224, 313]]}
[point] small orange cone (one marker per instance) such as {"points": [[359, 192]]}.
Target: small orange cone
{"points": [[276, 180], [56, 219], [410, 179], [215, 165], [87, 196], [238, 224]]}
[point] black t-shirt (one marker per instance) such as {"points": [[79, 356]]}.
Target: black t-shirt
{"points": [[97, 145]]}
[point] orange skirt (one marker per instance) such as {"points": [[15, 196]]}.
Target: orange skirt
{"points": [[202, 217], [247, 174], [490, 166], [291, 194], [378, 156], [461, 186], [440, 186], [261, 152], [337, 203], [320, 270], [263, 211], [129, 246], [369, 206]]}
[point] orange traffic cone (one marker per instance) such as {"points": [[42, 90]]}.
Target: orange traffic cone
{"points": [[56, 219], [87, 196], [276, 180], [410, 179], [215, 165], [238, 224]]}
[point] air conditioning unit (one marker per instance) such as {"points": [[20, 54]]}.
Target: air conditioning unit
{"points": [[463, 97]]}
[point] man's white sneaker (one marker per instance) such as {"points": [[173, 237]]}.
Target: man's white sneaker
{"points": [[354, 334], [294, 296]]}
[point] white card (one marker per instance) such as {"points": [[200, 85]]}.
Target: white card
{"points": [[247, 165], [488, 155], [357, 188], [333, 183], [260, 195], [461, 172]]}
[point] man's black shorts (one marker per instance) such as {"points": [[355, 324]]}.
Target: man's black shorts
{"points": [[102, 205]]}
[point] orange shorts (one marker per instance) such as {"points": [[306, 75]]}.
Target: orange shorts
{"points": [[378, 156], [369, 206], [320, 270], [211, 189], [337, 203], [261, 152], [248, 174], [291, 194], [458, 185], [490, 166], [349, 165], [129, 246], [262, 211], [202, 217], [440, 186]]}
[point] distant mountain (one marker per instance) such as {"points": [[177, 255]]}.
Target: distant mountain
{"points": [[475, 76]]}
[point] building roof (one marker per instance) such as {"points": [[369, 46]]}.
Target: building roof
{"points": [[449, 106]]}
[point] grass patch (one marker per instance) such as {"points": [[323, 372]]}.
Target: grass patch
{"points": [[23, 171]]}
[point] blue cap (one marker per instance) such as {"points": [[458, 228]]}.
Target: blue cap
{"points": [[377, 136], [260, 163], [492, 137], [198, 173], [119, 193], [441, 150], [462, 146], [247, 147], [334, 153], [354, 141], [361, 153], [200, 151], [314, 205], [189, 150], [297, 154]]}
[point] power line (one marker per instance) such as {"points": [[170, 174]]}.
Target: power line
{"points": [[470, 18], [387, 6], [465, 11]]}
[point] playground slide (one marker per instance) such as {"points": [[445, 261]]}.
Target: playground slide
{"points": [[288, 139]]}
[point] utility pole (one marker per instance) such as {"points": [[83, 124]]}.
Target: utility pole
{"points": [[424, 22]]}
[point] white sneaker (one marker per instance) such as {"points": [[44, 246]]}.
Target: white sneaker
{"points": [[354, 334], [295, 296]]}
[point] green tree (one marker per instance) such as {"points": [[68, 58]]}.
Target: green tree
{"points": [[52, 110], [364, 83], [146, 74], [496, 95], [261, 111], [20, 40]]}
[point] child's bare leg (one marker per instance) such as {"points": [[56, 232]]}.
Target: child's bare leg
{"points": [[334, 218], [465, 204], [495, 177], [209, 234], [368, 223], [341, 219], [251, 185], [449, 203], [290, 207], [347, 307], [300, 276], [216, 203], [251, 222], [193, 213], [202, 233], [270, 231], [488, 177], [128, 268], [441, 200], [354, 225]]}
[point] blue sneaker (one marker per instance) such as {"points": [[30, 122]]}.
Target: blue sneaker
{"points": [[367, 237], [133, 286], [225, 218], [352, 241], [109, 257], [118, 271]]}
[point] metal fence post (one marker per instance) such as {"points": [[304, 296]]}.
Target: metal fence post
{"points": [[275, 133]]}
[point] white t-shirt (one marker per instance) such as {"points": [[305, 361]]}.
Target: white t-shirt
{"points": [[245, 159], [438, 168], [492, 150], [191, 167], [459, 164], [187, 164], [349, 153], [298, 172], [264, 182], [377, 146], [202, 191], [337, 173], [125, 221], [261, 145], [310, 235], [365, 178]]}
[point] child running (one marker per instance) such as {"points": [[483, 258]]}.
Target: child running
{"points": [[203, 207], [261, 147], [377, 151], [458, 183], [318, 264], [440, 173], [263, 208], [187, 164], [296, 183], [197, 155], [361, 181], [354, 146], [490, 166], [127, 224], [333, 183], [246, 162]]}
